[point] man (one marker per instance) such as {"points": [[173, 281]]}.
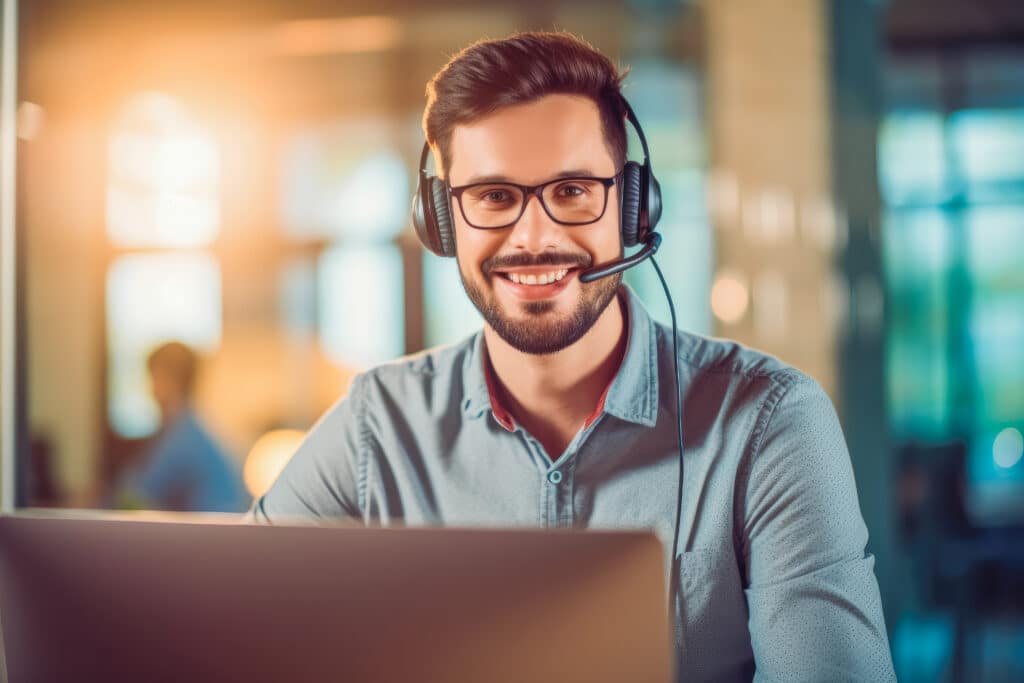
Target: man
{"points": [[562, 411], [184, 468]]}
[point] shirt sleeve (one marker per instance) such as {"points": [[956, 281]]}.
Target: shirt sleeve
{"points": [[323, 480], [815, 612]]}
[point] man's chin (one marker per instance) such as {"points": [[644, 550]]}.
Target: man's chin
{"points": [[538, 308], [536, 340], [542, 326], [545, 313], [532, 311]]}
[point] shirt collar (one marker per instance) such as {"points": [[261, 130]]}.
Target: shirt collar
{"points": [[476, 399], [501, 414], [632, 394]]}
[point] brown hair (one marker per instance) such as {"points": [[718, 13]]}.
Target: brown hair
{"points": [[519, 69]]}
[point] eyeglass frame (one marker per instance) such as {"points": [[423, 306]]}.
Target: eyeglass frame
{"points": [[532, 191]]}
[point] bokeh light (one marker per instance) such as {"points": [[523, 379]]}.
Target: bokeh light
{"points": [[730, 296], [1008, 448], [268, 456], [164, 172]]}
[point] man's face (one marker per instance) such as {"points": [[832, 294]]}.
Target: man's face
{"points": [[529, 144]]}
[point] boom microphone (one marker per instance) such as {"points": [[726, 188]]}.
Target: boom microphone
{"points": [[651, 244]]}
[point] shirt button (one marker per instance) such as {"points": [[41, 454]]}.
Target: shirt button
{"points": [[555, 477]]}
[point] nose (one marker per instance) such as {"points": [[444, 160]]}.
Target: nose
{"points": [[535, 232]]}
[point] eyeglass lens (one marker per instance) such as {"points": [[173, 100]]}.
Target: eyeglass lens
{"points": [[577, 200]]}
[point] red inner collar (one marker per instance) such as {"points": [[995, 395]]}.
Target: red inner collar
{"points": [[504, 417]]}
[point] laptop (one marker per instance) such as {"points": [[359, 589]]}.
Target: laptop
{"points": [[125, 599]]}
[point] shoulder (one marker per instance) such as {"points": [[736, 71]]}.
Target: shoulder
{"points": [[440, 361], [432, 375], [740, 388], [724, 360]]}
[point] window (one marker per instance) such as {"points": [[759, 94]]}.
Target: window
{"points": [[952, 179], [162, 215], [666, 97], [345, 195]]}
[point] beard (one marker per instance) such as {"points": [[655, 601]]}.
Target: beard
{"points": [[541, 332]]}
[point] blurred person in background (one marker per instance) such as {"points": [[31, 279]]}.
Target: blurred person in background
{"points": [[562, 411], [183, 468]]}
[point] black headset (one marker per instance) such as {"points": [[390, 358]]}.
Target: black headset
{"points": [[640, 209]]}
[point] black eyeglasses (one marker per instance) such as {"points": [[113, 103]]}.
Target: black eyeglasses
{"points": [[569, 201]]}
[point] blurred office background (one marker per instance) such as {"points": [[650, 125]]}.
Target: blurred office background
{"points": [[844, 186]]}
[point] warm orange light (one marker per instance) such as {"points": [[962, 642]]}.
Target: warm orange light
{"points": [[29, 120], [164, 172], [730, 297], [328, 36], [268, 456]]}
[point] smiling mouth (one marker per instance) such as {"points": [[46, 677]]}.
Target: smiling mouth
{"points": [[547, 278]]}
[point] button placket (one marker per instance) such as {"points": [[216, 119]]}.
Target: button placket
{"points": [[560, 486], [565, 513], [548, 493]]}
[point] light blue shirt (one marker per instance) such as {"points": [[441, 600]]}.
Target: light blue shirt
{"points": [[186, 470], [773, 574]]}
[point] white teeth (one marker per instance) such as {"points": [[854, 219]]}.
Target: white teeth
{"points": [[541, 279]]}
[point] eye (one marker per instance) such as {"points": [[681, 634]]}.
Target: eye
{"points": [[496, 196], [493, 194], [578, 189]]}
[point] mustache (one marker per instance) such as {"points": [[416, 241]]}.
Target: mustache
{"points": [[545, 259]]}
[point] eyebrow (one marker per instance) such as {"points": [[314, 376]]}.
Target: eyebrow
{"points": [[497, 178]]}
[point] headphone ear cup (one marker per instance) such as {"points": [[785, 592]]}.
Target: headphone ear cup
{"points": [[421, 215], [443, 218], [632, 184], [653, 201], [429, 209]]}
